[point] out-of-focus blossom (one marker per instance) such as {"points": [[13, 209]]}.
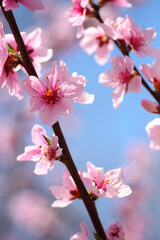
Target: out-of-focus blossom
{"points": [[152, 73], [77, 14], [66, 193], [115, 232], [122, 3], [150, 106], [121, 78], [32, 212], [153, 131], [44, 153], [84, 235], [31, 5], [105, 185], [37, 52], [53, 97], [137, 38], [57, 40], [95, 40]]}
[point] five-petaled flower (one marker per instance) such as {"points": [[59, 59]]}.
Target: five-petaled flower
{"points": [[122, 78], [45, 151], [65, 193], [53, 97], [95, 40], [137, 38], [105, 185]]}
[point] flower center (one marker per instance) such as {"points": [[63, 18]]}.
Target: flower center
{"points": [[75, 194], [48, 153], [51, 96]]}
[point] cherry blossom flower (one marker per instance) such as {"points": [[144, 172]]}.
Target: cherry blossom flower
{"points": [[37, 52], [77, 15], [153, 131], [115, 232], [152, 74], [8, 64], [105, 185], [138, 39], [122, 3], [84, 235], [53, 97], [65, 193], [121, 78], [95, 40], [151, 106], [45, 152], [31, 5]]}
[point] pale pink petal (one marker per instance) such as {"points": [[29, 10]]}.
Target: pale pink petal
{"points": [[10, 4], [150, 51], [32, 153], [153, 131], [13, 85], [155, 68], [37, 135], [103, 53], [150, 106], [42, 168], [72, 90], [32, 5], [150, 34], [85, 98], [147, 71], [61, 203], [129, 64], [51, 114], [118, 95], [135, 85], [60, 192]]}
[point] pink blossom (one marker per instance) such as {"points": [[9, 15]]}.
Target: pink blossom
{"points": [[152, 74], [153, 131], [77, 15], [65, 193], [105, 185], [43, 153], [115, 232], [95, 40], [8, 64], [84, 235], [151, 106], [121, 78], [31, 5], [138, 39], [37, 52], [29, 211], [53, 97]]}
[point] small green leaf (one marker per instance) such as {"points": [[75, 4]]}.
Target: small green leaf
{"points": [[11, 49], [47, 140], [97, 237]]}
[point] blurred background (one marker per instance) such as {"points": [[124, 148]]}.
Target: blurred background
{"points": [[97, 133]]}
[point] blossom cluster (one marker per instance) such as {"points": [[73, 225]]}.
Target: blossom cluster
{"points": [[53, 96]]}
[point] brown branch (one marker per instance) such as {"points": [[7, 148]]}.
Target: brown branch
{"points": [[67, 159]]}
